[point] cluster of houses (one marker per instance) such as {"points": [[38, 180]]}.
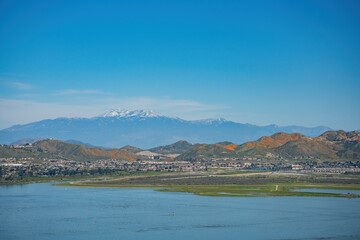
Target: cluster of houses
{"points": [[11, 168], [14, 168]]}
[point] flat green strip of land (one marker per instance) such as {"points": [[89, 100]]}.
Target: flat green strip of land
{"points": [[270, 190], [262, 184]]}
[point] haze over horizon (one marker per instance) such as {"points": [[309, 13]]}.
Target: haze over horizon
{"points": [[258, 62]]}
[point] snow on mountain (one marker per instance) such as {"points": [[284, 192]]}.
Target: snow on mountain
{"points": [[211, 121], [144, 129], [130, 113]]}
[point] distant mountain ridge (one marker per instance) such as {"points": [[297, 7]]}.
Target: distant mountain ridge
{"points": [[145, 129]]}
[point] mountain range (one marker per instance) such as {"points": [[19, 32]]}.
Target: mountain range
{"points": [[144, 129], [331, 145]]}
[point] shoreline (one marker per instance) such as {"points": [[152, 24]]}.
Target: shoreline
{"points": [[216, 183], [288, 190], [262, 184]]}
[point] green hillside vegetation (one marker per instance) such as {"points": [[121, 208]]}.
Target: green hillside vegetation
{"points": [[205, 151], [131, 149], [175, 148]]}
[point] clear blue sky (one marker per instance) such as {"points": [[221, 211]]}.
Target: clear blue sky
{"points": [[260, 62]]}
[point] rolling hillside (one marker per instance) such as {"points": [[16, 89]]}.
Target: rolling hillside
{"points": [[337, 145], [330, 145], [50, 148], [175, 148]]}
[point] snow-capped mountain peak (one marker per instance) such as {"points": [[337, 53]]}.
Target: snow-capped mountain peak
{"points": [[145, 129], [130, 113]]}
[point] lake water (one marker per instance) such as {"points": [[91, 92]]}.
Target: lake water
{"points": [[325, 190], [43, 211]]}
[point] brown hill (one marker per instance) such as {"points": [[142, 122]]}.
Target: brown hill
{"points": [[50, 148], [131, 149], [330, 145], [175, 148], [273, 141], [306, 148], [78, 152], [207, 151]]}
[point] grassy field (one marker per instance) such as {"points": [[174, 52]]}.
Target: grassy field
{"points": [[234, 184], [269, 190], [79, 178]]}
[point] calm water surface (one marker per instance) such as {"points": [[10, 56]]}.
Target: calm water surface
{"points": [[43, 211], [325, 190]]}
